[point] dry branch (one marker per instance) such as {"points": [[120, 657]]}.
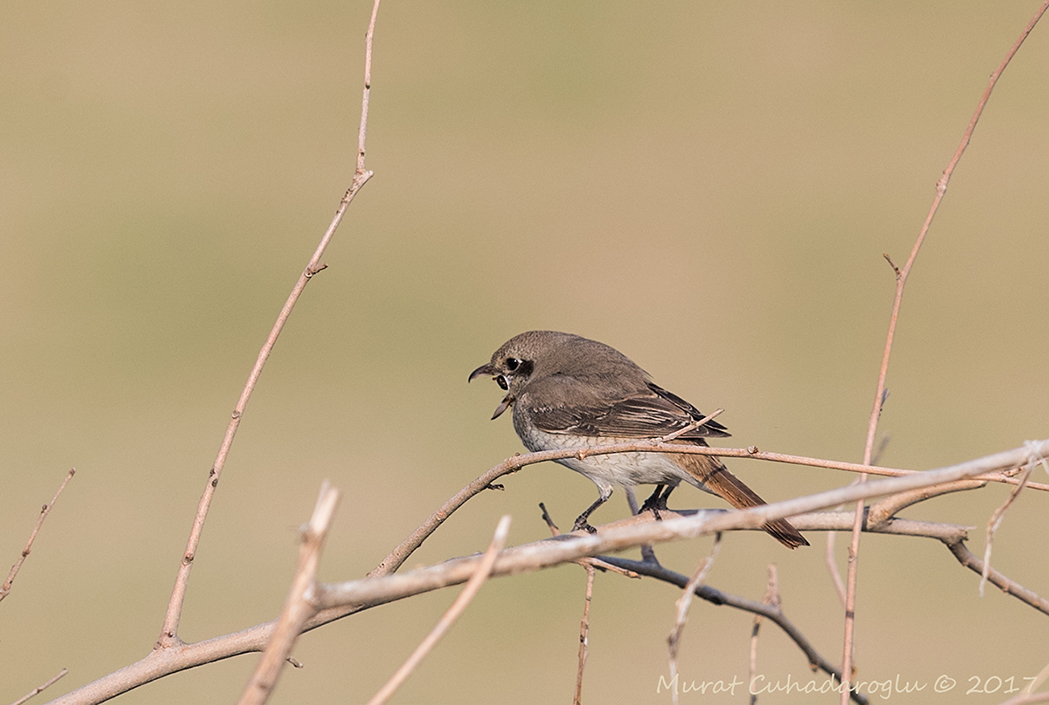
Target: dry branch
{"points": [[397, 556], [584, 635], [717, 597], [5, 589], [358, 595], [901, 281], [484, 569], [169, 630], [297, 607], [683, 604], [1010, 587], [41, 688], [636, 531]]}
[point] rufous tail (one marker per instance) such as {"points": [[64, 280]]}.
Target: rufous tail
{"points": [[716, 477]]}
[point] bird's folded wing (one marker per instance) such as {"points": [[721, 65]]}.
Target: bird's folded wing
{"points": [[651, 413]]}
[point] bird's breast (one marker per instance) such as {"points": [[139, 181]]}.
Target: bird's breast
{"points": [[626, 469]]}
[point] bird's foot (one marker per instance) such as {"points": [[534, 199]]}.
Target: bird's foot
{"points": [[582, 523], [654, 503]]}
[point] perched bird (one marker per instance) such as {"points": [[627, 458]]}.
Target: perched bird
{"points": [[571, 392]]}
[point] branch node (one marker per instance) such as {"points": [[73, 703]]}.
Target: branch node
{"points": [[891, 263], [549, 521]]}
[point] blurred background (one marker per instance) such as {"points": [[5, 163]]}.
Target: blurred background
{"points": [[708, 187]]}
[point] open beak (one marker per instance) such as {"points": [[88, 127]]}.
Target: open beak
{"points": [[487, 370], [484, 370]]}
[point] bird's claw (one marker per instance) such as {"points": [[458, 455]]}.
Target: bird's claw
{"points": [[582, 524]]}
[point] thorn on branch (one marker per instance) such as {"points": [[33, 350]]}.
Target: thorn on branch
{"points": [[310, 271], [495, 486]]}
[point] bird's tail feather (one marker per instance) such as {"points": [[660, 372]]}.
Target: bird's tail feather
{"points": [[716, 477]]}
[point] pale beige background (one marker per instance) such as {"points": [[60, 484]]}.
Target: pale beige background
{"points": [[707, 186]]}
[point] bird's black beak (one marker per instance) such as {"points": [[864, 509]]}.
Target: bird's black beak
{"points": [[488, 371], [484, 370]]}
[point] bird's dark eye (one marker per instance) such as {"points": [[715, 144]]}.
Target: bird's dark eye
{"points": [[512, 363], [501, 381]]}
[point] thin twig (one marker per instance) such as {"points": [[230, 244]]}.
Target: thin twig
{"points": [[484, 569], [995, 521], [368, 593], [632, 532], [40, 688], [901, 281], [1010, 587], [830, 560], [683, 603], [169, 630], [832, 566], [1028, 695], [690, 426], [398, 555], [1027, 698], [297, 606], [5, 589], [585, 562], [717, 597], [648, 553], [773, 600], [885, 509], [584, 635]]}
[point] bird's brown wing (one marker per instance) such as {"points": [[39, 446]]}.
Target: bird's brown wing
{"points": [[651, 413]]}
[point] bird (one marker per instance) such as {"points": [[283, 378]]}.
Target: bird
{"points": [[567, 391]]}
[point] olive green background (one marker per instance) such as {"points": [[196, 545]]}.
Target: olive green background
{"points": [[709, 187]]}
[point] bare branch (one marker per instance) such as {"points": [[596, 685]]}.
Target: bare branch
{"points": [[689, 427], [396, 558], [901, 282], [484, 569], [996, 520], [719, 598], [297, 606], [635, 531], [368, 593], [47, 684], [5, 589], [647, 552], [1025, 698], [169, 630], [584, 635], [772, 599], [832, 566], [683, 603], [883, 510], [1028, 695], [1010, 587]]}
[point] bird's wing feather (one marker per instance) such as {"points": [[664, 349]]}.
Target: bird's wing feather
{"points": [[650, 413]]}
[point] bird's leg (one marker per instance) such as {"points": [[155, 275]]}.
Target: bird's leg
{"points": [[666, 495], [581, 521], [658, 500], [653, 501]]}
